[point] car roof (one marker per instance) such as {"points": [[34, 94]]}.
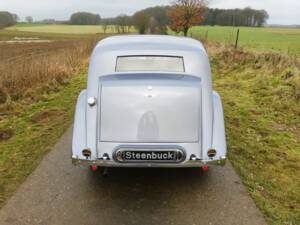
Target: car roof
{"points": [[139, 42]]}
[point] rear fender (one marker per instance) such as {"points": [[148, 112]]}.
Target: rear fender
{"points": [[219, 136], [79, 129]]}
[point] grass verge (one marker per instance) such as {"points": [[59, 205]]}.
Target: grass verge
{"points": [[31, 130], [261, 95], [38, 91]]}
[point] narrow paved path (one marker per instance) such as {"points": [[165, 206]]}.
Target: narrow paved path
{"points": [[58, 193]]}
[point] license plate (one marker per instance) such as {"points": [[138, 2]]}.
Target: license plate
{"points": [[149, 156]]}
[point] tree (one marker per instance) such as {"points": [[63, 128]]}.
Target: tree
{"points": [[261, 17], [16, 17], [48, 21], [186, 13], [29, 19], [141, 22], [158, 19], [152, 20], [85, 18], [7, 19], [104, 27], [153, 25], [124, 22]]}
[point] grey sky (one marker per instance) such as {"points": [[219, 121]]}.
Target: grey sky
{"points": [[281, 12]]}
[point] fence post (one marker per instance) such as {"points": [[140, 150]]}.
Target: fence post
{"points": [[237, 38]]}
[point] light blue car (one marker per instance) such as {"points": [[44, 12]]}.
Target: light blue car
{"points": [[149, 103]]}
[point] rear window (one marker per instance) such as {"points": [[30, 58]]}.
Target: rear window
{"points": [[150, 63]]}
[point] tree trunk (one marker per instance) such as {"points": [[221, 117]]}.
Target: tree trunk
{"points": [[185, 31]]}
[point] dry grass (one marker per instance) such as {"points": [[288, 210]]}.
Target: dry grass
{"points": [[25, 67], [39, 84]]}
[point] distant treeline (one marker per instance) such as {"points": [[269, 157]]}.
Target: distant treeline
{"points": [[153, 19], [236, 17], [223, 17], [7, 19], [156, 19], [85, 18]]}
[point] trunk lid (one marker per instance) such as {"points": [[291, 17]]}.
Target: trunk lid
{"points": [[150, 111]]}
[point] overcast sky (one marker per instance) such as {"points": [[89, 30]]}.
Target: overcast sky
{"points": [[281, 12]]}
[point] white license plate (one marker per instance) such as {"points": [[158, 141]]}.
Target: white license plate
{"points": [[172, 156]]}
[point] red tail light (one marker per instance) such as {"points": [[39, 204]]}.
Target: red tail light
{"points": [[205, 168], [94, 168]]}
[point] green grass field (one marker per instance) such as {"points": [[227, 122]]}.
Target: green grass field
{"points": [[281, 40], [263, 39]]}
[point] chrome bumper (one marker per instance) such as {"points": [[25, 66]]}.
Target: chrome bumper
{"points": [[112, 163]]}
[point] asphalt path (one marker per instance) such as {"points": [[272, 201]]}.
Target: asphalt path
{"points": [[57, 193]]}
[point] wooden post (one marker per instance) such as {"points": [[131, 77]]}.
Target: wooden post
{"points": [[237, 38]]}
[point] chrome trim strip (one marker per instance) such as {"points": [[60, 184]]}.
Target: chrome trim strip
{"points": [[111, 163]]}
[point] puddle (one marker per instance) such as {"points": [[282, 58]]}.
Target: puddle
{"points": [[25, 40]]}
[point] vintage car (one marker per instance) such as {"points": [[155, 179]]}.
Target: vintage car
{"points": [[149, 103]]}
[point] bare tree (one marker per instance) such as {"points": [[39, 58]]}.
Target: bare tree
{"points": [[122, 22], [29, 19], [104, 26], [118, 28], [186, 13], [125, 22], [16, 17]]}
